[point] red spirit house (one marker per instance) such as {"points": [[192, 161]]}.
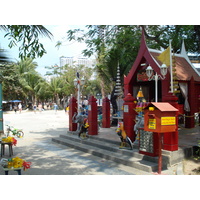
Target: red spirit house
{"points": [[186, 76]]}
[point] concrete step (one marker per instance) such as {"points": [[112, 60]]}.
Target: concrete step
{"points": [[104, 144], [105, 150], [113, 146]]}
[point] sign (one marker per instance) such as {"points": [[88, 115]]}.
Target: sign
{"points": [[126, 108], [152, 123], [142, 76], [168, 121]]}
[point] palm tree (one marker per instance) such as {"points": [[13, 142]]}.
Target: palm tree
{"points": [[55, 88], [29, 78], [26, 66]]}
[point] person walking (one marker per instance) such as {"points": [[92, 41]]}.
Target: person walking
{"points": [[11, 107], [15, 108], [20, 107], [55, 107], [67, 110], [40, 107], [35, 108]]}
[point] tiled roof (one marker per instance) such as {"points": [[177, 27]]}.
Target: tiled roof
{"points": [[163, 106], [184, 70]]}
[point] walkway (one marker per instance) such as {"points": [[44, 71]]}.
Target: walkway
{"points": [[52, 159]]}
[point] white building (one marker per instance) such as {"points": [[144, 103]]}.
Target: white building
{"points": [[76, 61], [66, 61]]}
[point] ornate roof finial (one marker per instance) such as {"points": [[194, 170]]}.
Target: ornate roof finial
{"points": [[118, 87]]}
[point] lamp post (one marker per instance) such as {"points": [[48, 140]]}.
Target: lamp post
{"points": [[1, 110], [156, 77], [78, 82]]}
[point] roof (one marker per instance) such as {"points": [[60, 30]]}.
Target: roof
{"points": [[163, 106], [184, 69]]}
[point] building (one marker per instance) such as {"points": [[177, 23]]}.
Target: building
{"points": [[66, 61], [187, 81], [76, 61]]}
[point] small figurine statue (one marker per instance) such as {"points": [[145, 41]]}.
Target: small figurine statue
{"points": [[84, 129], [139, 125], [80, 120], [124, 138]]}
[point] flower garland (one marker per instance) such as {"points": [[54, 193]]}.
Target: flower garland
{"points": [[10, 140], [16, 162]]}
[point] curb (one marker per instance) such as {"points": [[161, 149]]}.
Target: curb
{"points": [[179, 170]]}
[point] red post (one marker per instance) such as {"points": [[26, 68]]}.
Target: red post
{"points": [[189, 117], [170, 139], [72, 111], [106, 113], [129, 116], [92, 116], [159, 152], [199, 110]]}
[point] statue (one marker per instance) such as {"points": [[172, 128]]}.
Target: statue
{"points": [[84, 129], [82, 125], [124, 138], [139, 125]]}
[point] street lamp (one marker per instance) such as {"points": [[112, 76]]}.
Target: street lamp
{"points": [[78, 82], [156, 77]]}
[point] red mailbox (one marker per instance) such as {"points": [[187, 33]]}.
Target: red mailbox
{"points": [[160, 117]]}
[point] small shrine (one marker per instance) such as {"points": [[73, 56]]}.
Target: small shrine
{"points": [[186, 82]]}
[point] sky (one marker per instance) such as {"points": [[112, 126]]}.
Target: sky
{"points": [[51, 58]]}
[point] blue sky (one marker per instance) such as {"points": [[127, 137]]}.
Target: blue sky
{"points": [[53, 53]]}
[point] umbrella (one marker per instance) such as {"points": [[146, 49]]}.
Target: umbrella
{"points": [[16, 101]]}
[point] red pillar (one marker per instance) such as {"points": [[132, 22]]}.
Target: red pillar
{"points": [[170, 139], [92, 116], [129, 116], [72, 111], [199, 109], [189, 118], [106, 113]]}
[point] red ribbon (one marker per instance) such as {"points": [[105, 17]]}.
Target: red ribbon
{"points": [[26, 165], [14, 141]]}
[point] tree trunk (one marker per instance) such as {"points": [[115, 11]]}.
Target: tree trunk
{"points": [[102, 89]]}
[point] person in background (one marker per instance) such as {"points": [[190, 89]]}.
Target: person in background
{"points": [[20, 107], [15, 108], [55, 107], [35, 108], [40, 107], [67, 110], [10, 107]]}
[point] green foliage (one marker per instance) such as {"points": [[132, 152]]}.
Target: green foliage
{"points": [[11, 85], [119, 44], [198, 151], [20, 80], [28, 38]]}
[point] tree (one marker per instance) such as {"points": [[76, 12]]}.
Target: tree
{"points": [[159, 36], [28, 38], [55, 87], [11, 85], [29, 78], [112, 45], [116, 45]]}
